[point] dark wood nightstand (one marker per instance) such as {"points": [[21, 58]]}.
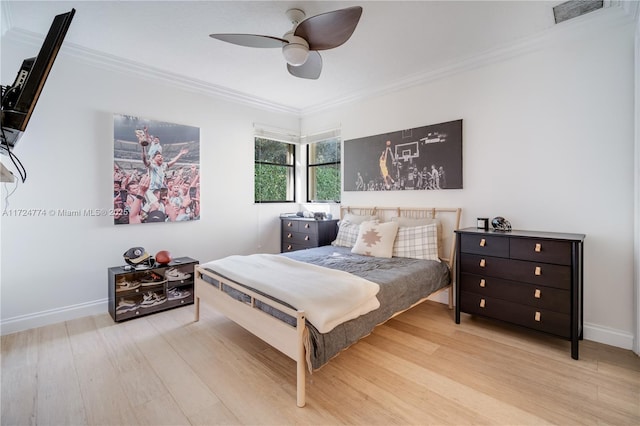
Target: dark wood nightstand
{"points": [[532, 279], [302, 233]]}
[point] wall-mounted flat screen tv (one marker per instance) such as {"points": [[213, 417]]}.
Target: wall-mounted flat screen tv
{"points": [[19, 100]]}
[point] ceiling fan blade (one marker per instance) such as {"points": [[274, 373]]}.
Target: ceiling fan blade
{"points": [[310, 69], [329, 30], [250, 40]]}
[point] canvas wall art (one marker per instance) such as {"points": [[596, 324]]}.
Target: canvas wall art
{"points": [[156, 171], [423, 158]]}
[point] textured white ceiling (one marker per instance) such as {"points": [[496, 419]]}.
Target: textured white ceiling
{"points": [[394, 41]]}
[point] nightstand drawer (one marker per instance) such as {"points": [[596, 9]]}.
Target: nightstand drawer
{"points": [[300, 233], [542, 297], [528, 316], [538, 250], [287, 247], [546, 274], [290, 225], [485, 245], [310, 239]]}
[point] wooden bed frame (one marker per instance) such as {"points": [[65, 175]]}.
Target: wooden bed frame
{"points": [[288, 339]]}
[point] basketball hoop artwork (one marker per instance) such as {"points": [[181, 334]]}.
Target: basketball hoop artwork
{"points": [[156, 171], [423, 158]]}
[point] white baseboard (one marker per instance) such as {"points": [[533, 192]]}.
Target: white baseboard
{"points": [[608, 336], [593, 332], [52, 316]]}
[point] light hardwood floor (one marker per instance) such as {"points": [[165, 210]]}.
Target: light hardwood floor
{"points": [[419, 368]]}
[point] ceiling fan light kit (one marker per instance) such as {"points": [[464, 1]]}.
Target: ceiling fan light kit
{"points": [[300, 46], [296, 51]]}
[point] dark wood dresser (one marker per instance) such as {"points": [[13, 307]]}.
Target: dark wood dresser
{"points": [[301, 233], [532, 279]]}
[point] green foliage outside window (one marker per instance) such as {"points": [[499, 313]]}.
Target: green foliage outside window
{"points": [[274, 171], [323, 171]]}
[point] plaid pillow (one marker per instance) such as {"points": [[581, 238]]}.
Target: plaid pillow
{"points": [[417, 242], [347, 234]]}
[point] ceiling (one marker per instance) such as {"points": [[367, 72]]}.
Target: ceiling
{"points": [[394, 41]]}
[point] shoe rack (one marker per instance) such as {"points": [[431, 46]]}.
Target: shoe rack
{"points": [[138, 292]]}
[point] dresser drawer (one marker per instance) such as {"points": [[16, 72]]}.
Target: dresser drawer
{"points": [[528, 316], [541, 297], [539, 250], [299, 233], [545, 274], [310, 239], [287, 247], [290, 225], [485, 245]]}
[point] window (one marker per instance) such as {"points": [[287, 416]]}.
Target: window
{"points": [[274, 171], [323, 171]]}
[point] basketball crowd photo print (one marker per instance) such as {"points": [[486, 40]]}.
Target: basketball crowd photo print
{"points": [[156, 171], [423, 158]]}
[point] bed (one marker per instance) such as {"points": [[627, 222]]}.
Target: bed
{"points": [[264, 307]]}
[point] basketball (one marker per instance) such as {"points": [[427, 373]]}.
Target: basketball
{"points": [[163, 257], [388, 143]]}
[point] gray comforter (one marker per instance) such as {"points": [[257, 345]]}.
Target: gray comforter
{"points": [[402, 282]]}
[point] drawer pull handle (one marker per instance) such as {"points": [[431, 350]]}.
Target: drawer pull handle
{"points": [[306, 225], [482, 263], [483, 242], [289, 224], [537, 317], [306, 238], [289, 235], [482, 283], [538, 248], [289, 247], [536, 294], [538, 271], [482, 303]]}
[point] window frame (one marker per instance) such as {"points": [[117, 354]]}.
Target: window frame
{"points": [[337, 164], [291, 175]]}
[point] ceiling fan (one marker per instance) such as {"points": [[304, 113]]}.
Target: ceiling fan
{"points": [[301, 44]]}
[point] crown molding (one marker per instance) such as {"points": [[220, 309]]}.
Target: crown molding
{"points": [[618, 13], [574, 29], [109, 62], [5, 12]]}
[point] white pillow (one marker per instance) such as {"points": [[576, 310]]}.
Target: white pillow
{"points": [[376, 239], [347, 234], [356, 218], [417, 242]]}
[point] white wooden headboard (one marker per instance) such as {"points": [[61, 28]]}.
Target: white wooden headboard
{"points": [[448, 218]]}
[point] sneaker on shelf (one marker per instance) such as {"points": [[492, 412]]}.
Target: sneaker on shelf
{"points": [[174, 294], [172, 274], [125, 285], [125, 305], [152, 299], [152, 279]]}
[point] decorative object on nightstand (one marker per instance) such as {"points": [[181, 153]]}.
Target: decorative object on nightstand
{"points": [[532, 279], [135, 293], [483, 223], [499, 223], [302, 233]]}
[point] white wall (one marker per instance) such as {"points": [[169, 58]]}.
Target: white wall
{"points": [[547, 143], [56, 267]]}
